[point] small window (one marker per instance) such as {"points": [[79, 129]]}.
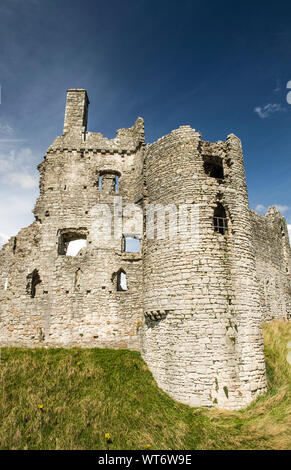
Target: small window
{"points": [[33, 280], [213, 166], [220, 220], [77, 279], [71, 241], [121, 282], [108, 181], [131, 244], [282, 231], [116, 187], [100, 182]]}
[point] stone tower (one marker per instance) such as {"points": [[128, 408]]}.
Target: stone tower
{"points": [[192, 306], [210, 342]]}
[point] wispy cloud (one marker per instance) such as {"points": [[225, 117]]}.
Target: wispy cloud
{"points": [[14, 169], [281, 207], [15, 212], [278, 86], [261, 208], [12, 140], [24, 180], [265, 111], [3, 238], [5, 129]]}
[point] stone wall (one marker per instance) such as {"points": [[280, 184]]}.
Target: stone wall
{"points": [[193, 307], [273, 263]]}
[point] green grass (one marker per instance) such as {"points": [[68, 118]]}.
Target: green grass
{"points": [[85, 393]]}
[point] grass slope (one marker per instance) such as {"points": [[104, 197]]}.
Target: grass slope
{"points": [[69, 399]]}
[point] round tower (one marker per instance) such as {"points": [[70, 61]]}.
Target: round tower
{"points": [[201, 336]]}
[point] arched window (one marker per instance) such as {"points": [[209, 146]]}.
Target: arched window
{"points": [[120, 280], [33, 279], [220, 219]]}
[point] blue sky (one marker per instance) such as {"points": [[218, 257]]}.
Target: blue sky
{"points": [[220, 66]]}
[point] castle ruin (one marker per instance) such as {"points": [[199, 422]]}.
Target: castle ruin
{"points": [[193, 310]]}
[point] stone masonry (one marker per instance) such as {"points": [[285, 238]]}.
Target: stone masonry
{"points": [[194, 310]]}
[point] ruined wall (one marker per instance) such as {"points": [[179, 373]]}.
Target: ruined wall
{"points": [[194, 306], [273, 263], [77, 301]]}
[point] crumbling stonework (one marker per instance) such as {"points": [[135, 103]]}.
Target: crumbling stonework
{"points": [[194, 310], [273, 263]]}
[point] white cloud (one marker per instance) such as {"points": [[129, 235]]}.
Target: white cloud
{"points": [[282, 208], [14, 169], [265, 111], [11, 140], [289, 231], [18, 189], [15, 211], [3, 238], [261, 208], [5, 129], [24, 180]]}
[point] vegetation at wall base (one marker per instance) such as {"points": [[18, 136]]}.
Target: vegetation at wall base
{"points": [[108, 399]]}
